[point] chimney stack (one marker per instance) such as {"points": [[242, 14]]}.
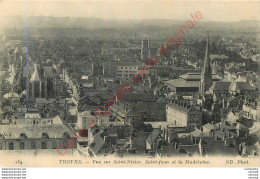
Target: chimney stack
{"points": [[176, 146]]}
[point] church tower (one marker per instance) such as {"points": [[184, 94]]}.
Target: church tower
{"points": [[145, 49], [206, 75]]}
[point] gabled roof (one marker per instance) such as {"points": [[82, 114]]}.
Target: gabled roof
{"points": [[232, 98], [196, 132], [11, 95], [36, 76], [85, 113], [145, 97], [218, 148], [197, 77], [35, 131], [153, 136], [240, 86], [241, 127], [209, 126], [192, 150], [182, 83], [220, 86], [183, 107], [231, 86], [97, 143]]}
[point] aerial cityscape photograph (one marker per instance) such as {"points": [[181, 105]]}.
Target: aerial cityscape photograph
{"points": [[129, 79]]}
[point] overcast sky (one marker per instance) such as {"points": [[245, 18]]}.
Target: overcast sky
{"points": [[134, 9]]}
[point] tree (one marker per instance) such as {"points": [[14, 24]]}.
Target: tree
{"points": [[148, 128], [138, 124]]}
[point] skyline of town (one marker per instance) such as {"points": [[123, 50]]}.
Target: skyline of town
{"points": [[152, 89]]}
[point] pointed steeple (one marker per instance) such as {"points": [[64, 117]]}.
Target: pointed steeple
{"points": [[206, 66], [206, 75]]}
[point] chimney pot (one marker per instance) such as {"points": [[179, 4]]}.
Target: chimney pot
{"points": [[176, 146]]}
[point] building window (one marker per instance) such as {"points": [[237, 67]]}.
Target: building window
{"points": [[33, 145], [11, 146], [22, 145], [44, 145], [54, 145]]}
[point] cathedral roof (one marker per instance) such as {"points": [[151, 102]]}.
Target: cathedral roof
{"points": [[36, 76], [240, 86], [220, 86], [231, 86]]}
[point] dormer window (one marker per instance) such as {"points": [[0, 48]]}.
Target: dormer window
{"points": [[23, 135], [45, 135], [66, 135]]}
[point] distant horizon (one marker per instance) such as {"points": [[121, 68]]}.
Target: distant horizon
{"points": [[212, 11], [99, 18]]}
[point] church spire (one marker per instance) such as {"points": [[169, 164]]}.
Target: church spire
{"points": [[206, 75]]}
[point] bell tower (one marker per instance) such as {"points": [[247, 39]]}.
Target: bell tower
{"points": [[206, 75]]}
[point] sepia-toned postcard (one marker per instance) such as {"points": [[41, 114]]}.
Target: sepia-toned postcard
{"points": [[129, 83]]}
